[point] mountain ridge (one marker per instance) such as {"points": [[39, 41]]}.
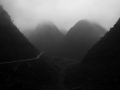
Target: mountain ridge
{"points": [[99, 68], [20, 68], [77, 41], [13, 42]]}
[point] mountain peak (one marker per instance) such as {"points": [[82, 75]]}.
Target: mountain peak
{"points": [[79, 39], [82, 23], [47, 27], [82, 29], [100, 65], [46, 35]]}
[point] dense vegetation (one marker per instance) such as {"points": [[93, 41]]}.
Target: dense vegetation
{"points": [[21, 69], [100, 68]]}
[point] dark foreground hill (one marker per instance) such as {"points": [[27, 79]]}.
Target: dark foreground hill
{"points": [[31, 74], [19, 67], [13, 44], [100, 69], [79, 39], [45, 36]]}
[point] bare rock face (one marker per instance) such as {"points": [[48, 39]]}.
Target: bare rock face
{"points": [[100, 68]]}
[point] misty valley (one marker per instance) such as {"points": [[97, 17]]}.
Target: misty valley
{"points": [[87, 57]]}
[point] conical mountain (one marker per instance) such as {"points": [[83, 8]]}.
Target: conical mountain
{"points": [[45, 36], [20, 69], [86, 30], [100, 68], [81, 31], [79, 39]]}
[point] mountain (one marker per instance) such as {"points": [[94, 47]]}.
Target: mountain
{"points": [[100, 68], [99, 28], [79, 39], [20, 68], [13, 43], [45, 36]]}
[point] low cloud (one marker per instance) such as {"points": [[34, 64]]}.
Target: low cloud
{"points": [[64, 13]]}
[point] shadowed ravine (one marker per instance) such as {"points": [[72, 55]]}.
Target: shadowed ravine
{"points": [[62, 64]]}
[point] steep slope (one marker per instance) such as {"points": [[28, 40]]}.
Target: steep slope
{"points": [[100, 68], [20, 68], [13, 44], [79, 39], [45, 36], [99, 28]]}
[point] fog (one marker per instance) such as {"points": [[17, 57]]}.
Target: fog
{"points": [[63, 13]]}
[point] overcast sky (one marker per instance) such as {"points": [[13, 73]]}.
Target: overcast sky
{"points": [[64, 13]]}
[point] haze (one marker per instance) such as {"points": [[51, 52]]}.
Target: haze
{"points": [[63, 13]]}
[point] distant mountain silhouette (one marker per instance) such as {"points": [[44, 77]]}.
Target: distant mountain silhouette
{"points": [[100, 29], [79, 39], [100, 68], [19, 67], [45, 36]]}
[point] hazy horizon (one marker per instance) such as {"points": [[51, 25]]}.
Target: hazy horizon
{"points": [[26, 14]]}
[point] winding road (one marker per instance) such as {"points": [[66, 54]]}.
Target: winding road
{"points": [[38, 56]]}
